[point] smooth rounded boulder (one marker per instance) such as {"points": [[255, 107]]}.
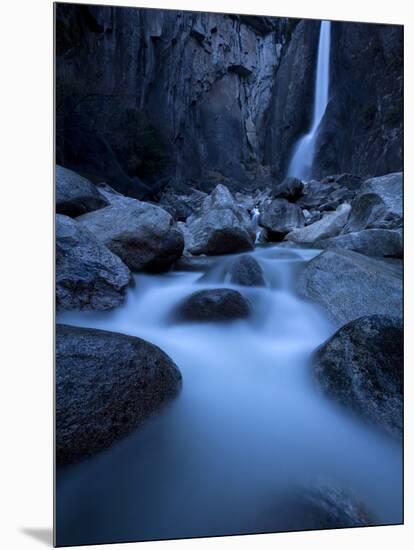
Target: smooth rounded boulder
{"points": [[378, 204], [246, 271], [349, 285], [107, 384], [216, 305], [385, 243], [143, 235], [361, 367], [88, 275], [76, 195]]}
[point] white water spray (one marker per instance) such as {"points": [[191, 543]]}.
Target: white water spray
{"points": [[303, 153], [255, 214]]}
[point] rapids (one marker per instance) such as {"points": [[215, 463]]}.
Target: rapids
{"points": [[247, 425]]}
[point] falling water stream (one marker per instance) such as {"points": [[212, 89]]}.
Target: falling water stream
{"points": [[302, 159], [247, 426]]}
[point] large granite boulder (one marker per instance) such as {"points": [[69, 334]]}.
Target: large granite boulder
{"points": [[279, 218], [387, 243], [220, 227], [106, 385], [76, 195], [143, 235], [351, 181], [290, 189], [349, 285], [219, 304], [181, 205], [246, 271], [327, 195], [378, 204], [88, 275], [361, 367], [329, 225]]}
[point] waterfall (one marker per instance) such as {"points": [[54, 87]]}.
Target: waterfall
{"points": [[303, 153]]}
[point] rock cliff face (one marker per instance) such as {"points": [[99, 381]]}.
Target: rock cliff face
{"points": [[145, 96], [365, 102]]}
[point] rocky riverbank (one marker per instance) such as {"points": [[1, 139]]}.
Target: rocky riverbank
{"points": [[104, 237]]}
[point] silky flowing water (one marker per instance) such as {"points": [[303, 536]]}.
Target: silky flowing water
{"points": [[247, 426], [302, 159]]}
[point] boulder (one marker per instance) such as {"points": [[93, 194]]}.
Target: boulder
{"points": [[279, 218], [321, 507], [349, 285], [328, 226], [106, 385], [220, 304], [361, 367], [141, 234], [246, 271], [317, 194], [290, 189], [350, 181], [88, 275], [378, 204], [386, 243], [220, 227], [181, 206], [76, 195], [194, 263]]}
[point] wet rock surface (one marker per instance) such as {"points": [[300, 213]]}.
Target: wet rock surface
{"points": [[361, 367], [220, 227], [217, 305], [141, 234], [371, 242], [329, 225], [279, 218], [378, 204], [106, 385], [349, 285], [88, 275], [76, 195], [246, 271]]}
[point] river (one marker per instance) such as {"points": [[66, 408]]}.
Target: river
{"points": [[247, 425]]}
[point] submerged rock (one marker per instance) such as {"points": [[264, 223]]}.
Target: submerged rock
{"points": [[220, 227], [279, 218], [141, 234], [378, 204], [76, 195], [361, 367], [246, 271], [323, 507], [349, 285], [88, 275], [371, 242], [106, 385], [220, 304], [194, 263], [330, 225]]}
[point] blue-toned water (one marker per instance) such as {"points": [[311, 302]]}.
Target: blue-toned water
{"points": [[301, 162], [247, 426]]}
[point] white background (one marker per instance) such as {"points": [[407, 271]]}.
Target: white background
{"points": [[26, 272]]}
